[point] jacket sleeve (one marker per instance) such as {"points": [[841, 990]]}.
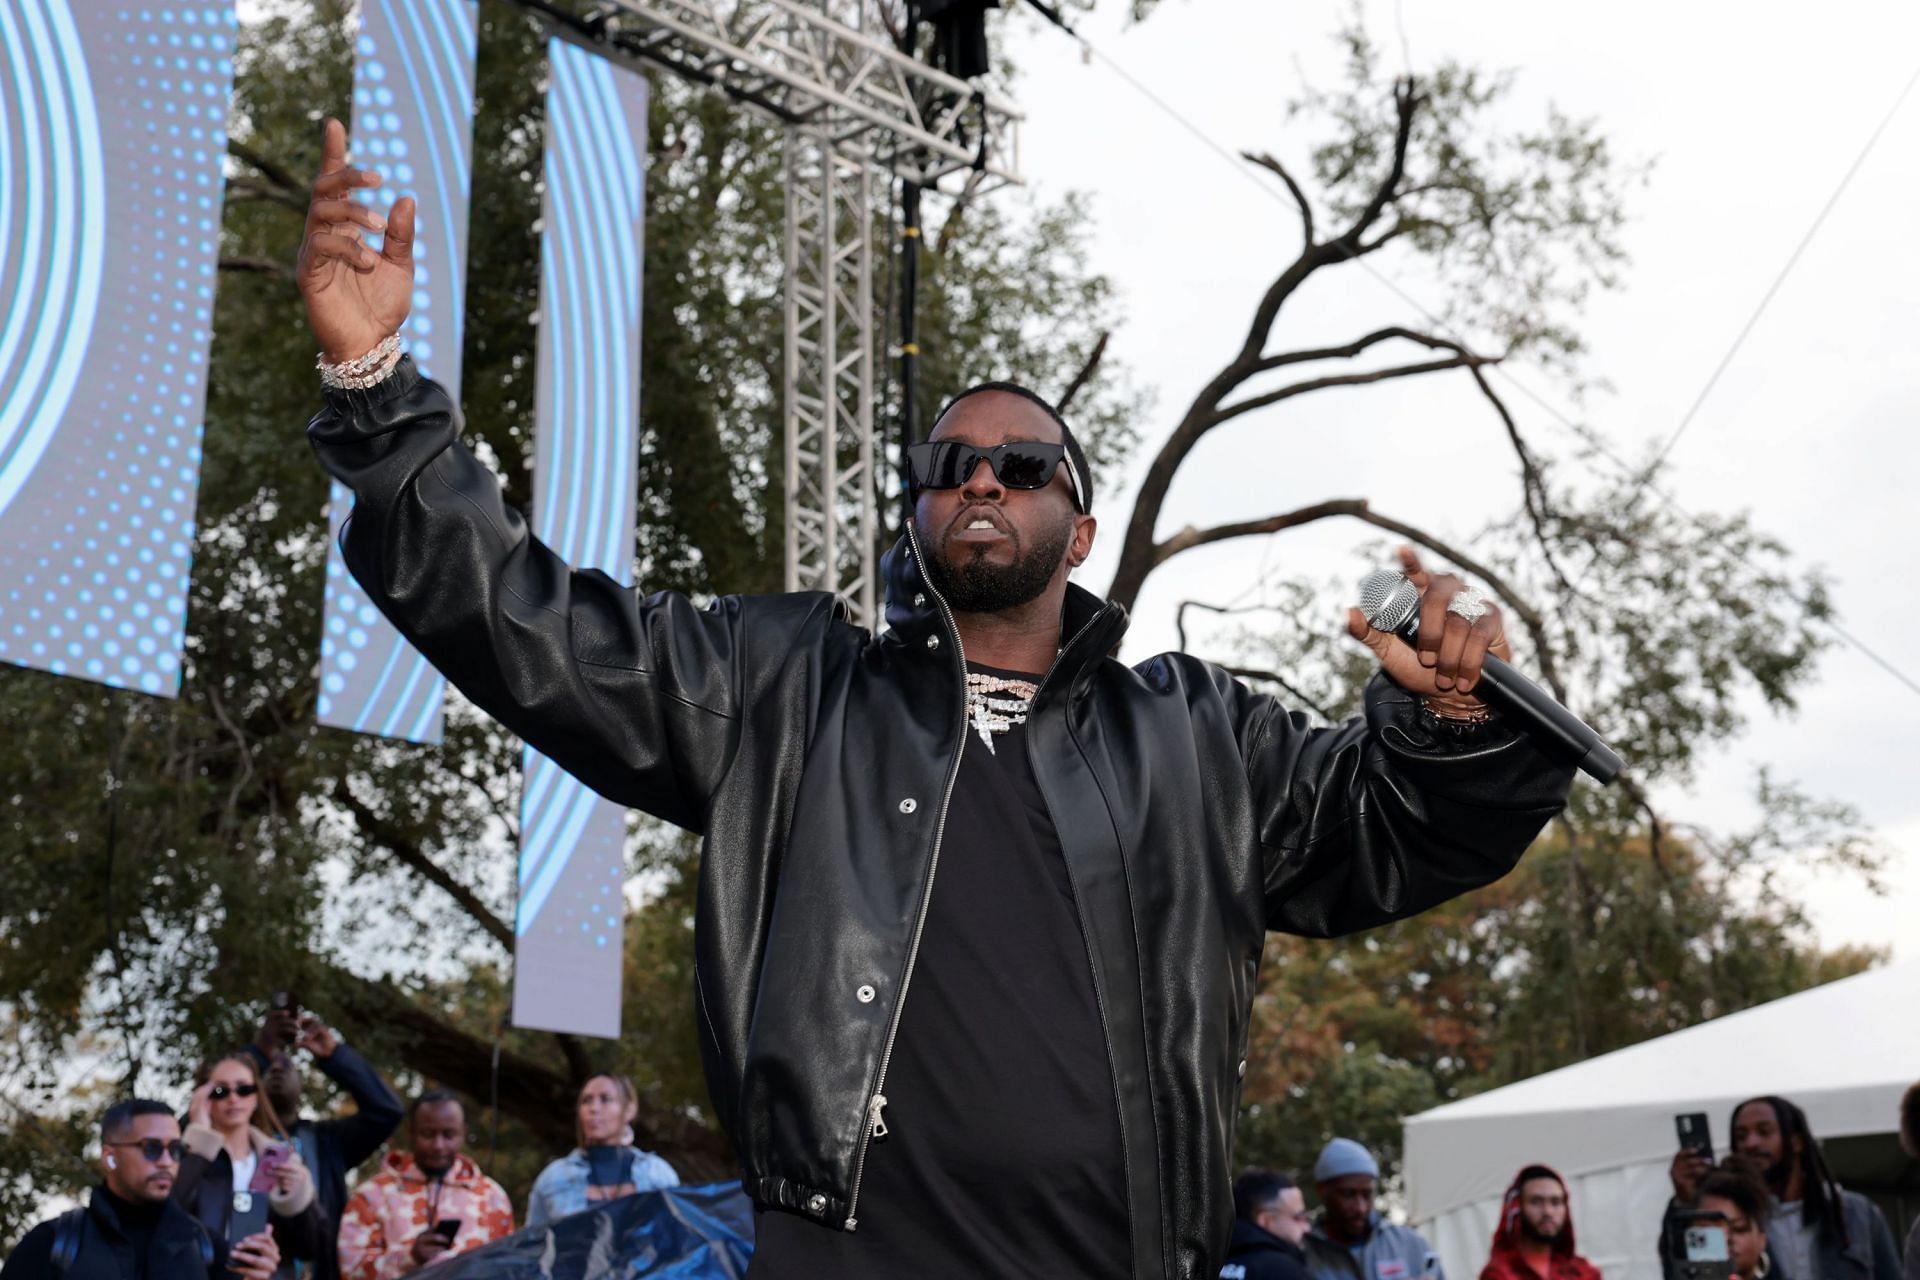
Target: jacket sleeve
{"points": [[32, 1258], [377, 1114], [496, 1213], [540, 1209], [636, 697], [1886, 1250], [362, 1240], [1389, 814]]}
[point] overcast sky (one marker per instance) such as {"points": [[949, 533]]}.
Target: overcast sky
{"points": [[1751, 125]]}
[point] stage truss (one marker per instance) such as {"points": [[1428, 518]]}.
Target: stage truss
{"points": [[856, 110]]}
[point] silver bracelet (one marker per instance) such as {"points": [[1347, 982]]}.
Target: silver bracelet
{"points": [[362, 371]]}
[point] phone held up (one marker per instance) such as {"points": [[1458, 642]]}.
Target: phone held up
{"points": [[1699, 1249], [249, 1216], [447, 1229], [1692, 1128]]}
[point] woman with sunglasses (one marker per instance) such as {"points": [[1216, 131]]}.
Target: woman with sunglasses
{"points": [[235, 1142]]}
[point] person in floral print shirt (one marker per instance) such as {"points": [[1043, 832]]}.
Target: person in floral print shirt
{"points": [[388, 1227]]}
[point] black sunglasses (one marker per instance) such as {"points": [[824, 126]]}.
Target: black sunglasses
{"points": [[1019, 464], [221, 1091], [152, 1148]]}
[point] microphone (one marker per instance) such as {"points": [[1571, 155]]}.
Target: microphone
{"points": [[1392, 604]]}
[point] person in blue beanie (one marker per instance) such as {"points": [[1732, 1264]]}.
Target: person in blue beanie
{"points": [[1350, 1240]]}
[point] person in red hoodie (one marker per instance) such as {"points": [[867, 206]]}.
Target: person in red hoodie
{"points": [[1534, 1240], [425, 1203]]}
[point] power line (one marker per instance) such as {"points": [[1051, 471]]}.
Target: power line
{"points": [[1786, 270], [1588, 437]]}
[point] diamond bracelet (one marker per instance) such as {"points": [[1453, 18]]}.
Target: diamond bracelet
{"points": [[363, 371]]}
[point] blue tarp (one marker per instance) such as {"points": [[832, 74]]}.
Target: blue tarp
{"points": [[685, 1233]]}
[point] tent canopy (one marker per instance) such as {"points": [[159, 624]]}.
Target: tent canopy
{"points": [[1844, 1052]]}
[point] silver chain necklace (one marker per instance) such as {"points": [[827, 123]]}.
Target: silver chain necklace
{"points": [[995, 704]]}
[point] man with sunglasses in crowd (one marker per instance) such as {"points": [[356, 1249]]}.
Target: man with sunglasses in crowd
{"points": [[981, 908], [132, 1229]]}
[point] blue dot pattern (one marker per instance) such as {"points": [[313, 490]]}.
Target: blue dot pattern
{"points": [[586, 423], [413, 125], [105, 106]]}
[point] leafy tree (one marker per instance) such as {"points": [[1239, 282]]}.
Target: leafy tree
{"points": [[169, 862]]}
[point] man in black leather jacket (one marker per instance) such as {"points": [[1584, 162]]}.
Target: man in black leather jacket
{"points": [[1123, 837]]}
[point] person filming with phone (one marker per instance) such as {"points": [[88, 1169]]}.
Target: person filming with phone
{"points": [[426, 1203], [332, 1146], [1723, 1235], [1816, 1230], [133, 1228], [240, 1173]]}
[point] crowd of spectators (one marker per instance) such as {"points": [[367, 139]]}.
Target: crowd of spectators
{"points": [[244, 1184], [1771, 1210]]}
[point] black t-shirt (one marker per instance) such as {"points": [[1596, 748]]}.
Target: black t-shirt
{"points": [[1002, 1156]]}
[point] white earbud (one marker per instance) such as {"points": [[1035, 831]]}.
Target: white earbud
{"points": [[112, 1163]]}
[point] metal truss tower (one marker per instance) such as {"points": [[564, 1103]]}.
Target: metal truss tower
{"points": [[855, 108]]}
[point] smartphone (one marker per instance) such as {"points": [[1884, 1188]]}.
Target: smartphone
{"points": [[270, 1161], [1704, 1242], [249, 1216], [447, 1229], [1692, 1128], [289, 1003]]}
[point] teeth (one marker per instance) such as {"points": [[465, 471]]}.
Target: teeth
{"points": [[981, 524]]}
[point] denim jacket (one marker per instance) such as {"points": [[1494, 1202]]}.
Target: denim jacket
{"points": [[561, 1188]]}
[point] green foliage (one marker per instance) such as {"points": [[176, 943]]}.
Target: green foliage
{"points": [[1518, 224], [170, 862]]}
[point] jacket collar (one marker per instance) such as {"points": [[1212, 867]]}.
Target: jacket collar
{"points": [[1091, 628], [1248, 1236], [404, 1167]]}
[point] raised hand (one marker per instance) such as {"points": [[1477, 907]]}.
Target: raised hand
{"points": [[1444, 662], [355, 297]]}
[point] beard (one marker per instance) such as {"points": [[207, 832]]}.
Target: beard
{"points": [[971, 583], [1533, 1233]]}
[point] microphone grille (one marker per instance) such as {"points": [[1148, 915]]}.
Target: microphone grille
{"points": [[1388, 599]]}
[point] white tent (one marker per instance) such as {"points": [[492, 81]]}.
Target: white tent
{"points": [[1845, 1052]]}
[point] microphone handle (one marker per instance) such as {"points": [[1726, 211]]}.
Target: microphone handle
{"points": [[1537, 710], [1532, 708]]}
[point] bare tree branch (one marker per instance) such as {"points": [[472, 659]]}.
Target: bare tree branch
{"points": [[277, 173], [1189, 538], [258, 266], [1533, 486], [1269, 163], [1348, 350], [242, 189], [1087, 368], [532, 1092], [1261, 401], [1358, 509], [1293, 690], [387, 835]]}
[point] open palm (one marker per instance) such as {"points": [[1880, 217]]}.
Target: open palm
{"points": [[355, 297]]}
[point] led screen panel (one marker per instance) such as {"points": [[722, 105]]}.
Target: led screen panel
{"points": [[567, 953], [112, 142], [412, 124]]}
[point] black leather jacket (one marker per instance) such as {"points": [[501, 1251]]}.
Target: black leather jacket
{"points": [[1194, 814]]}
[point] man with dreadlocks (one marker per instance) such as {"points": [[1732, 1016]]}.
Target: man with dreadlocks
{"points": [[1817, 1230]]}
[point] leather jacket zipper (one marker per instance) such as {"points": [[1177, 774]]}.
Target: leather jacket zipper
{"points": [[875, 1126]]}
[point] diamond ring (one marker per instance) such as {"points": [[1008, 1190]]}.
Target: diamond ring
{"points": [[1469, 604]]}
